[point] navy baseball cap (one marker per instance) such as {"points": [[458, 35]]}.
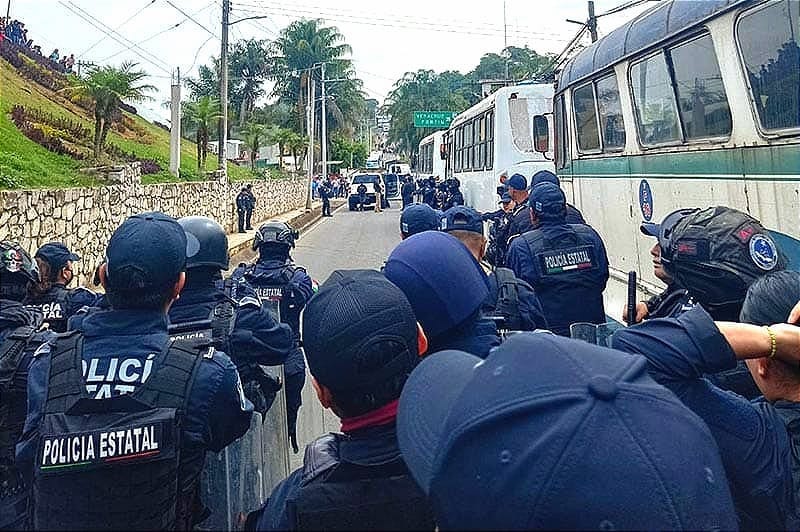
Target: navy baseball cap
{"points": [[663, 230], [56, 255], [461, 218], [359, 332], [517, 182], [554, 433], [148, 251], [544, 176], [441, 279], [548, 202], [418, 217], [505, 198]]}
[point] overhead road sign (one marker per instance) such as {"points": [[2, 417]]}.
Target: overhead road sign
{"points": [[438, 119]]}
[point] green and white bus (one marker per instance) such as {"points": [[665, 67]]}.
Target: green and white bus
{"points": [[693, 103]]}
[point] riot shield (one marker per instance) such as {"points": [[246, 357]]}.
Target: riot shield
{"points": [[790, 248], [594, 333], [237, 480]]}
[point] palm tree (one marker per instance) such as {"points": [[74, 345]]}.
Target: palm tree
{"points": [[108, 87], [254, 135], [250, 67], [297, 143], [202, 115], [283, 138]]}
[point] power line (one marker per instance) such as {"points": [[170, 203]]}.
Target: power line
{"points": [[150, 3], [142, 41], [185, 14], [97, 24]]}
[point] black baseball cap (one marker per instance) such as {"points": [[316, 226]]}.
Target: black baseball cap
{"points": [[554, 433], [359, 332], [548, 201], [517, 182], [418, 217], [461, 218], [56, 255], [148, 251]]}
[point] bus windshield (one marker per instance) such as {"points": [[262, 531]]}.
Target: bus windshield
{"points": [[365, 178]]}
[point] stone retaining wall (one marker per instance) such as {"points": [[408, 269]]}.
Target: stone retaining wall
{"points": [[84, 218]]}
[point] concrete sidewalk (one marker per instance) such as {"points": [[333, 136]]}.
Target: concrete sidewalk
{"points": [[240, 244]]}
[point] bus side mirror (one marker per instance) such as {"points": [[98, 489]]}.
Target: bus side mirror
{"points": [[443, 151], [541, 134]]}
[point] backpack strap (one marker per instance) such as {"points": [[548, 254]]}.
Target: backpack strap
{"points": [[65, 380], [11, 352], [171, 382]]}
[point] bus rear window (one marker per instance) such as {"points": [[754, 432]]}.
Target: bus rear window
{"points": [[520, 123], [768, 41]]}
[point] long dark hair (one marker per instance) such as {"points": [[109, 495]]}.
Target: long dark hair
{"points": [[770, 298]]}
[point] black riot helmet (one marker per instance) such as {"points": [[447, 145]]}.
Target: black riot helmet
{"points": [[206, 242], [275, 232], [18, 270], [716, 254]]}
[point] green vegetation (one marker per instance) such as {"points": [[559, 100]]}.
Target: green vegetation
{"points": [[26, 164]]}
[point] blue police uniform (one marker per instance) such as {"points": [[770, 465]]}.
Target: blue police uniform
{"points": [[565, 264], [60, 303], [759, 441], [121, 350]]}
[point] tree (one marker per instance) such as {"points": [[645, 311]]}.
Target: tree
{"points": [[108, 87], [297, 144], [202, 115], [254, 136], [283, 138], [250, 67]]}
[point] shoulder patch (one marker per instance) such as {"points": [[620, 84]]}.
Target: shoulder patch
{"points": [[763, 251]]}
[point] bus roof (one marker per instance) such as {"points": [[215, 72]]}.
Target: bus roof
{"points": [[432, 136], [524, 90], [651, 27]]}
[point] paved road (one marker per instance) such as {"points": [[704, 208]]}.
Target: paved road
{"points": [[348, 240]]}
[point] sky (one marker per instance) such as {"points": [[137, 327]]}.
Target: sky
{"points": [[387, 38]]}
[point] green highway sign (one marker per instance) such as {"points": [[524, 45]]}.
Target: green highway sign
{"points": [[433, 118]]}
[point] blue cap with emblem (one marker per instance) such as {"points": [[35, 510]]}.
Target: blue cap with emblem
{"points": [[418, 217], [548, 202], [461, 218], [555, 433], [148, 251], [517, 182], [441, 279]]}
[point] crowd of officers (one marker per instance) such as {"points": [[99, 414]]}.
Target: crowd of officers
{"points": [[462, 402]]}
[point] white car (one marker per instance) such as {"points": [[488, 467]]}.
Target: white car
{"points": [[368, 180]]}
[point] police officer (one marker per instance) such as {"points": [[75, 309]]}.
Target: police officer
{"points": [[758, 439], [716, 254], [50, 295], [277, 279], [566, 264], [229, 316], [498, 230], [574, 216], [359, 357], [407, 191], [520, 219], [674, 299], [20, 334], [429, 193], [120, 417], [325, 192], [362, 196], [446, 288], [454, 195], [416, 218], [251, 204], [512, 302], [378, 194], [242, 202]]}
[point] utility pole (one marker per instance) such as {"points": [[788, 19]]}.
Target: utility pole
{"points": [[591, 23], [324, 135], [505, 39], [175, 126], [310, 108], [8, 9], [223, 90]]}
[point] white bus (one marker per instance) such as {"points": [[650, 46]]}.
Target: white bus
{"points": [[429, 159], [495, 136]]}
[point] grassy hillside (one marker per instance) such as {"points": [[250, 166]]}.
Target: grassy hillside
{"points": [[26, 164]]}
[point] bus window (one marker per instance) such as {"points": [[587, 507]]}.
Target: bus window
{"points": [[654, 99], [562, 138], [458, 139], [702, 100], [520, 123], [609, 107], [489, 140], [768, 42], [586, 118]]}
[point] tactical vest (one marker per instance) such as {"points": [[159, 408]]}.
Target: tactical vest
{"points": [[507, 303], [13, 496], [216, 329], [270, 290], [54, 306], [570, 277], [337, 495], [114, 463], [791, 418]]}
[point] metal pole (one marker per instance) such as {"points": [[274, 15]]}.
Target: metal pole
{"points": [[8, 9], [505, 38], [324, 135], [310, 116], [592, 22], [175, 126], [223, 90]]}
